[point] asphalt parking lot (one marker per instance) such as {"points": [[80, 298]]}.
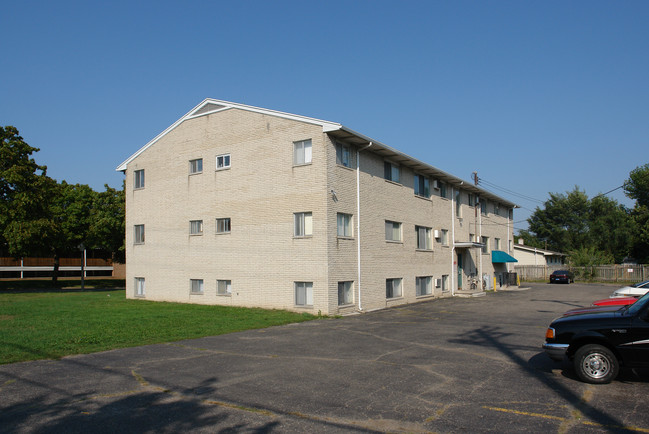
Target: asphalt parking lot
{"points": [[448, 365]]}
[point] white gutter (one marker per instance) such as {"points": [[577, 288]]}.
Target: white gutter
{"points": [[358, 220]]}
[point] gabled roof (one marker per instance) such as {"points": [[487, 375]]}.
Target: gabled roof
{"points": [[336, 130], [537, 250]]}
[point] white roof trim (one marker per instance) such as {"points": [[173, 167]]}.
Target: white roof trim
{"points": [[326, 125]]}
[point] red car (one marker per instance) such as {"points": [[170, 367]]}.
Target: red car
{"points": [[619, 301]]}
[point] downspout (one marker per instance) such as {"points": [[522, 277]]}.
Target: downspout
{"points": [[453, 271], [358, 220]]}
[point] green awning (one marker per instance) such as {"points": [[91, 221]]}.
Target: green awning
{"points": [[500, 257]]}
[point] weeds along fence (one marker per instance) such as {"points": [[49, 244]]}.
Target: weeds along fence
{"points": [[604, 273]]}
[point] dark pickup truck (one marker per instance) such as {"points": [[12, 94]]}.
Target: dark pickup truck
{"points": [[599, 340]]}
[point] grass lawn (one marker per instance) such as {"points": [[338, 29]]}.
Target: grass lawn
{"points": [[52, 324]]}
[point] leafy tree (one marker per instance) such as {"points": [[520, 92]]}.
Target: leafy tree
{"points": [[637, 188], [563, 224], [107, 223], [26, 226], [610, 228]]}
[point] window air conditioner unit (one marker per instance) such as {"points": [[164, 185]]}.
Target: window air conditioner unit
{"points": [[438, 283], [436, 233], [435, 184]]}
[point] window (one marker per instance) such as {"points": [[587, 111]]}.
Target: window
{"points": [[496, 209], [224, 287], [458, 204], [422, 186], [196, 227], [223, 226], [223, 161], [138, 179], [443, 191], [196, 286], [343, 155], [424, 285], [138, 234], [445, 237], [472, 237], [423, 238], [485, 246], [345, 293], [391, 172], [497, 243], [304, 293], [445, 282], [392, 231], [471, 199], [195, 166], [139, 286], [303, 224], [483, 207], [302, 152], [344, 225], [392, 288]]}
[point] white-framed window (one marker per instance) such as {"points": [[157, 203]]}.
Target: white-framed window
{"points": [[445, 286], [444, 237], [195, 166], [139, 287], [424, 240], [424, 285], [343, 155], [196, 286], [138, 179], [497, 243], [223, 161], [304, 293], [196, 227], [458, 204], [393, 288], [344, 223], [422, 186], [138, 234], [345, 293], [302, 152], [485, 245], [224, 287], [223, 225], [303, 224], [443, 190], [392, 172], [392, 231]]}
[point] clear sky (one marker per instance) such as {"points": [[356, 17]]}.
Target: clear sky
{"points": [[536, 96]]}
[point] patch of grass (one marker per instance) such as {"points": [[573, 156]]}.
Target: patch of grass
{"points": [[50, 325]]}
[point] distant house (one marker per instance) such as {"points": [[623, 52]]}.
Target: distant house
{"points": [[240, 205], [527, 255]]}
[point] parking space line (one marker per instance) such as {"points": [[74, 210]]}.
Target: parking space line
{"points": [[563, 419]]}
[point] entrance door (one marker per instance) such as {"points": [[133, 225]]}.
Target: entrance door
{"points": [[459, 271]]}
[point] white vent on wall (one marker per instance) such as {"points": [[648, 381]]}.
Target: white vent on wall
{"points": [[438, 283], [435, 184], [436, 233]]}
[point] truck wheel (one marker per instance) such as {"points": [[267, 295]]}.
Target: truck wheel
{"points": [[596, 364]]}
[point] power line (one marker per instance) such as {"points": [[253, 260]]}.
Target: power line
{"points": [[506, 190]]}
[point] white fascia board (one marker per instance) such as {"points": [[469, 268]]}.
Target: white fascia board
{"points": [[226, 105]]}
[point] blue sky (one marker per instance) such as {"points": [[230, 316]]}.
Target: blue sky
{"points": [[536, 97]]}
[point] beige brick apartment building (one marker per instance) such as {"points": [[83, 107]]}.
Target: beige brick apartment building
{"points": [[239, 205]]}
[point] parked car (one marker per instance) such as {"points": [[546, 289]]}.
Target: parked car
{"points": [[635, 290], [598, 342], [617, 301], [565, 276]]}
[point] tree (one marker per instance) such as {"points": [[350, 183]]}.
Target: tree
{"points": [[610, 228], [26, 226], [563, 224], [637, 188], [107, 223]]}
